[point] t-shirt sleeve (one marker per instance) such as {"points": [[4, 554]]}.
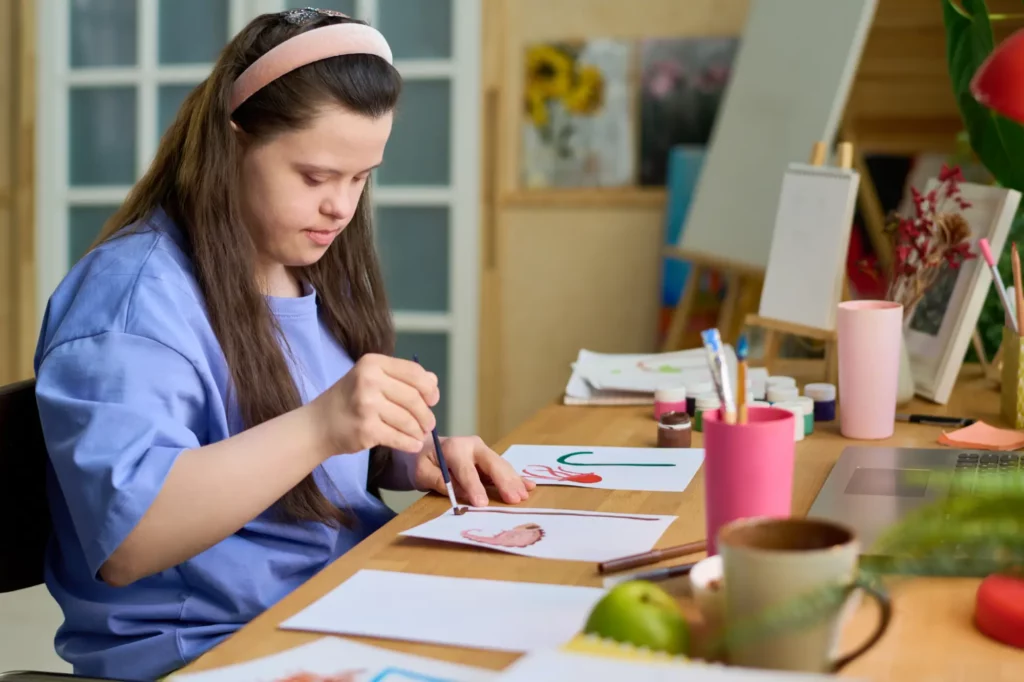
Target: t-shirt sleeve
{"points": [[116, 411]]}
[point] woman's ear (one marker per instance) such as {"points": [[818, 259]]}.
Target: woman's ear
{"points": [[240, 134]]}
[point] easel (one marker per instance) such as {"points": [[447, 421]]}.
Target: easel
{"points": [[742, 292], [773, 329]]}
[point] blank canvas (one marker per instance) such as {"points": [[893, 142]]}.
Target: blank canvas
{"points": [[807, 262], [789, 87]]}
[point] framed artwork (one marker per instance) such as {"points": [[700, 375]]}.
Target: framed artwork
{"points": [[938, 330], [682, 84], [578, 128]]}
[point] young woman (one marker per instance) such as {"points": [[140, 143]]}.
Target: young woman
{"points": [[214, 378]]}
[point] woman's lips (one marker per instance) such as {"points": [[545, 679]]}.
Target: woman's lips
{"points": [[322, 237]]}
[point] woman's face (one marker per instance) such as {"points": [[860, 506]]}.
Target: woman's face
{"points": [[301, 188]]}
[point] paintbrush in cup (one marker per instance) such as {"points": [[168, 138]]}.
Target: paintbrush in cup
{"points": [[742, 348]]}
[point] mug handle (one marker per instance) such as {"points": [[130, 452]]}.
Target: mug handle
{"points": [[885, 609]]}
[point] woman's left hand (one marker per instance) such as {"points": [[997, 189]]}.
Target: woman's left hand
{"points": [[473, 466]]}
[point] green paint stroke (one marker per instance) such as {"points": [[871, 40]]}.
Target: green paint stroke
{"points": [[564, 459]]}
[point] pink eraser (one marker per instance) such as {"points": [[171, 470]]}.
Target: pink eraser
{"points": [[985, 251]]}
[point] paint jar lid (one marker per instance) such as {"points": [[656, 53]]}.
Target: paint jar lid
{"points": [[820, 392], [807, 402], [759, 403], [781, 381], [708, 401], [674, 421], [672, 394], [791, 406], [777, 394], [698, 387]]}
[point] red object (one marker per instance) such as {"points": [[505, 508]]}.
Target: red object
{"points": [[999, 609], [997, 83]]}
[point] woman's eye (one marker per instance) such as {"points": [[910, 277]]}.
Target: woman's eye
{"points": [[312, 180]]}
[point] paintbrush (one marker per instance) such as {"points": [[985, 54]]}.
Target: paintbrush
{"points": [[1018, 290], [442, 464], [741, 379]]}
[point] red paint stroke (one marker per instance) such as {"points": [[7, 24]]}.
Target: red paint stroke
{"points": [[561, 474], [521, 536], [346, 676]]}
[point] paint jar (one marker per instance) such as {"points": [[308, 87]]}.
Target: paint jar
{"points": [[808, 413], [824, 397], [781, 394], [669, 400], [707, 401], [694, 390], [798, 413], [674, 430], [781, 381]]}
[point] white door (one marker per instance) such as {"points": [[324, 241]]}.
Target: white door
{"points": [[112, 74]]}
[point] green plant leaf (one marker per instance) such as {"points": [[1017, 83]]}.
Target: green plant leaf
{"points": [[998, 142]]}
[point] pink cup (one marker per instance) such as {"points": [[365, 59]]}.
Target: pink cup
{"points": [[870, 334], [748, 468]]}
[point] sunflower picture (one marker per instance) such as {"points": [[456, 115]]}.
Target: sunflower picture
{"points": [[577, 127]]}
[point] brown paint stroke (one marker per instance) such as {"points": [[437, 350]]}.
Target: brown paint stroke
{"points": [[540, 513]]}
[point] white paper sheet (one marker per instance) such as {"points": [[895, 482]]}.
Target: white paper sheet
{"points": [[559, 666], [332, 659], [548, 533], [479, 614], [585, 466]]}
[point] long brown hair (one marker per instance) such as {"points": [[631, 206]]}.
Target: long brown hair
{"points": [[194, 177]]}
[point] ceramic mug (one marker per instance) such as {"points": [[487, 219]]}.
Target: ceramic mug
{"points": [[768, 562]]}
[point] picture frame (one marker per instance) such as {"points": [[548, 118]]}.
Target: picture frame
{"points": [[939, 329]]}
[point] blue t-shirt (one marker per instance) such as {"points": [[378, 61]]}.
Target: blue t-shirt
{"points": [[130, 374]]}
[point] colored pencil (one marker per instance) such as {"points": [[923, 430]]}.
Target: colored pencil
{"points": [[742, 349], [654, 575], [441, 463]]}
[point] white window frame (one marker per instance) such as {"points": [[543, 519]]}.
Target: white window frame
{"points": [[54, 196]]}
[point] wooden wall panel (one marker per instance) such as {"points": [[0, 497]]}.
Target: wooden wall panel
{"points": [[18, 326]]}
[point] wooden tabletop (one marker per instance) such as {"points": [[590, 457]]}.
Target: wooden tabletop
{"points": [[931, 638]]}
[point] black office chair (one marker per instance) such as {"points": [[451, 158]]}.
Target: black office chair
{"points": [[24, 514]]}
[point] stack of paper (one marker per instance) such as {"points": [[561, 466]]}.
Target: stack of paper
{"points": [[616, 379]]}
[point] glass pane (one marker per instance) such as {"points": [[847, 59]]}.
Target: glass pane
{"points": [[418, 152], [344, 6], [417, 29], [103, 33], [84, 223], [192, 31], [432, 349], [169, 99], [101, 124], [413, 247]]}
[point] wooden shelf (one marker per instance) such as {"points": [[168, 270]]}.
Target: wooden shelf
{"points": [[629, 197]]}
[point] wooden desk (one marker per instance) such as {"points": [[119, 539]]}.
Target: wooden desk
{"points": [[931, 637]]}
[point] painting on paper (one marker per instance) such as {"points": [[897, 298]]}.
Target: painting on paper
{"points": [[651, 469], [340, 660], [565, 534], [682, 85], [578, 126]]}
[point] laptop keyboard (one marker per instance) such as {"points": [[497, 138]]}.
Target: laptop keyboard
{"points": [[984, 464]]}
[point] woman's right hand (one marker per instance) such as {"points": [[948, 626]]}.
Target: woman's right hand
{"points": [[380, 401]]}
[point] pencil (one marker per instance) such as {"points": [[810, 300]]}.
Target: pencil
{"points": [[741, 379], [441, 463], [651, 557], [1018, 291]]}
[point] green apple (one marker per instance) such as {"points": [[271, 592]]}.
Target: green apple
{"points": [[639, 612]]}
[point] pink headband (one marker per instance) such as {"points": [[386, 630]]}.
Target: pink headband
{"points": [[305, 48]]}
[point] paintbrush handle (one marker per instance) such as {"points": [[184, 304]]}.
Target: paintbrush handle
{"points": [[651, 557]]}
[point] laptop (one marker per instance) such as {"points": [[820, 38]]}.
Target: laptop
{"points": [[872, 488]]}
